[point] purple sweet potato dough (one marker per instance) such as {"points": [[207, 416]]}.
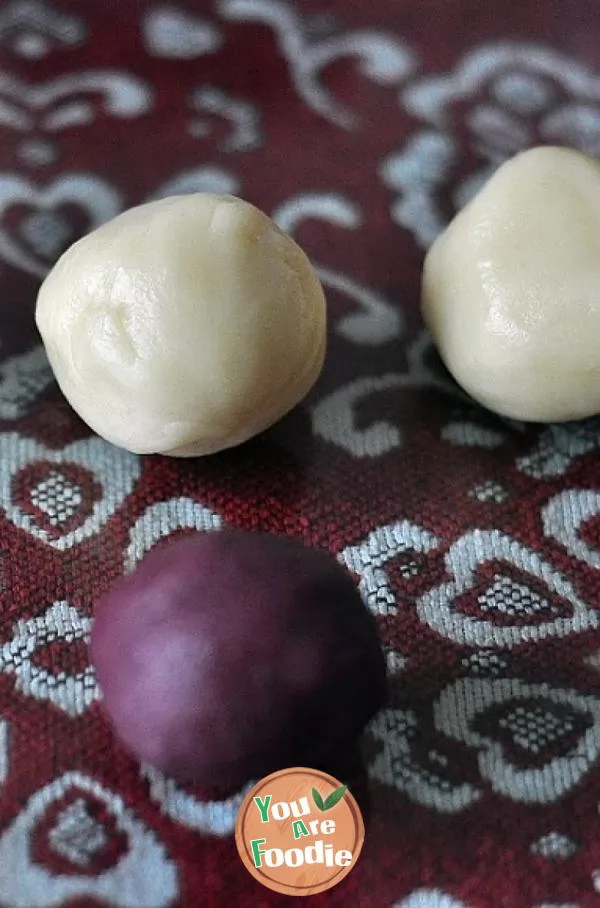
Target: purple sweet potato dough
{"points": [[226, 656]]}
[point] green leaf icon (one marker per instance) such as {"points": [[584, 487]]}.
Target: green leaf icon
{"points": [[318, 799], [335, 797]]}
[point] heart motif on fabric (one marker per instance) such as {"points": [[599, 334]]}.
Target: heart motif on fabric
{"points": [[398, 763], [502, 611], [63, 496], [368, 561], [535, 742], [34, 225], [74, 823], [60, 629], [59, 498]]}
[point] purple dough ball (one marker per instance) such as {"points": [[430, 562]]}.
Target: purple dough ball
{"points": [[226, 656]]}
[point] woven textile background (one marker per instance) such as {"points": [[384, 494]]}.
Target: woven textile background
{"points": [[360, 127]]}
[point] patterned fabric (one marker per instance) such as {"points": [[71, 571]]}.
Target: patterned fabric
{"points": [[476, 541]]}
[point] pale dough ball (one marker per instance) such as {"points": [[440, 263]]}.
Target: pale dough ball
{"points": [[184, 326], [511, 290]]}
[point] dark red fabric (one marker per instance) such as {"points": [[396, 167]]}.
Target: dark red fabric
{"points": [[476, 540]]}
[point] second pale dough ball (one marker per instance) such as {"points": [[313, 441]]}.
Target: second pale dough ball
{"points": [[511, 290], [184, 326]]}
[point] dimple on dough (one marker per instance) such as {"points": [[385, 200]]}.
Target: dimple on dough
{"points": [[511, 289], [184, 326]]}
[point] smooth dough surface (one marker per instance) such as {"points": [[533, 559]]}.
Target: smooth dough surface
{"points": [[511, 289], [184, 326]]}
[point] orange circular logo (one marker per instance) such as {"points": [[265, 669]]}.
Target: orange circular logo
{"points": [[299, 831]]}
